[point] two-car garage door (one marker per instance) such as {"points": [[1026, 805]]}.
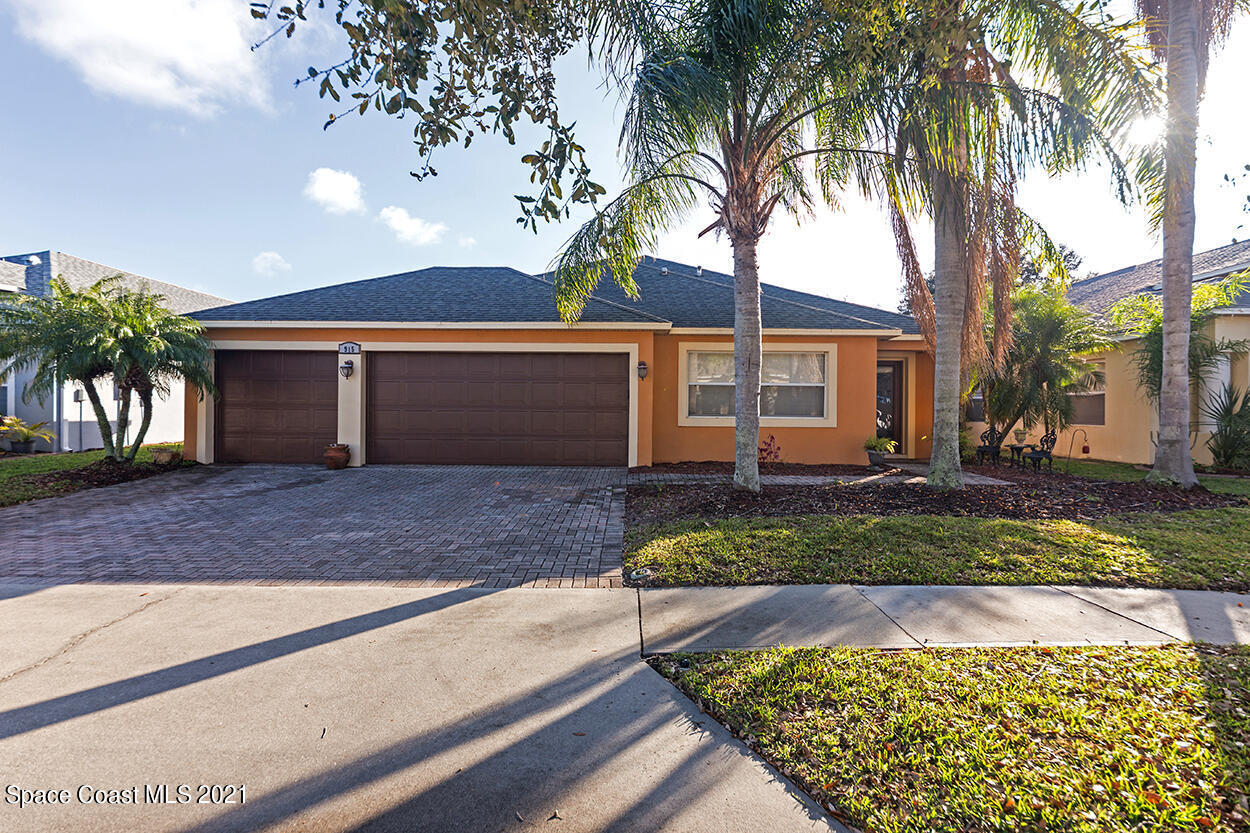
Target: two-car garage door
{"points": [[477, 408], [555, 409]]}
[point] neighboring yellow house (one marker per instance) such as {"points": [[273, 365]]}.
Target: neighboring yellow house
{"points": [[1119, 422]]}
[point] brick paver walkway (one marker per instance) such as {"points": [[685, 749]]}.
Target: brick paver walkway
{"points": [[430, 526]]}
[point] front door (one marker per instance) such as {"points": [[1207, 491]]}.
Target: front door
{"points": [[890, 417]]}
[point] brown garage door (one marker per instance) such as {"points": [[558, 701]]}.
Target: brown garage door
{"points": [[275, 406], [543, 409]]}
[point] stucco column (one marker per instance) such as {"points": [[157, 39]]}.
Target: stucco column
{"points": [[352, 408], [205, 420]]}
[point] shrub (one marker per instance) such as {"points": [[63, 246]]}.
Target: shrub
{"points": [[967, 446], [1229, 443], [770, 450]]}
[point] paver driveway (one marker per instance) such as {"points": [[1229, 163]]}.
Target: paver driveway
{"points": [[441, 526]]}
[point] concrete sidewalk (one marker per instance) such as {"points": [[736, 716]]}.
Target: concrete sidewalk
{"points": [[470, 709], [364, 708], [724, 618]]}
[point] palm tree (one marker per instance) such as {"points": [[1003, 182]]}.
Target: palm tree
{"points": [[1048, 360], [969, 133], [102, 332], [722, 97], [1193, 28], [152, 347], [63, 336]]}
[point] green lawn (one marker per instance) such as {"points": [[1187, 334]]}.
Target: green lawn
{"points": [[1203, 548], [19, 476], [1102, 470], [999, 739]]}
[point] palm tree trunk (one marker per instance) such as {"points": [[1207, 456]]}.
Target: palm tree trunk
{"points": [[950, 290], [145, 404], [101, 418], [123, 422], [748, 349], [1173, 461]]}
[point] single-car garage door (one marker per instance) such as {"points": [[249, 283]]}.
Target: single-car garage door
{"points": [[543, 409], [275, 406]]}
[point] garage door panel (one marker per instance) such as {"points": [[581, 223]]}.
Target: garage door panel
{"points": [[608, 397], [611, 425], [275, 406], [504, 408]]}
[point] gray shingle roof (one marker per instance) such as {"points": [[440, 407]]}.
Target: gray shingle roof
{"points": [[12, 276], [681, 297], [1099, 293], [80, 273], [688, 298], [439, 294], [878, 318]]}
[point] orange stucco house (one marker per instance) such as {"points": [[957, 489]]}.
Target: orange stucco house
{"points": [[472, 365]]}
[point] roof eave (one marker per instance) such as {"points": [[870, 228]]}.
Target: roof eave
{"points": [[788, 331], [439, 325]]}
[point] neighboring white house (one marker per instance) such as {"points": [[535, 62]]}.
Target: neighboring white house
{"points": [[69, 416]]}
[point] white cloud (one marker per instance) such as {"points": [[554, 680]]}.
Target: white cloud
{"points": [[188, 55], [411, 229], [338, 192], [269, 264], [466, 242]]}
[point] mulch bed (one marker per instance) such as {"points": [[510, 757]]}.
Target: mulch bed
{"points": [[1072, 498], [100, 473], [712, 467]]}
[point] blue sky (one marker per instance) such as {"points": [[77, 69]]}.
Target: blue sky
{"points": [[146, 135]]}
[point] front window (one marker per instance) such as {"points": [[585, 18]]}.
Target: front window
{"points": [[791, 384], [1090, 408], [975, 409]]}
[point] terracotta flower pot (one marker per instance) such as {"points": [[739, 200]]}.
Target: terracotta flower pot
{"points": [[337, 456], [165, 456]]}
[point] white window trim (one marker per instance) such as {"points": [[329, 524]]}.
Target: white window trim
{"points": [[829, 420]]}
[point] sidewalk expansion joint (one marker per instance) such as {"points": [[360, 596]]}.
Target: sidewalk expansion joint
{"points": [[897, 624], [1112, 610]]}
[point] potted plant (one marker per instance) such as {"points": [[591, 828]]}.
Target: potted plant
{"points": [[1020, 435], [877, 448], [337, 455], [166, 456], [22, 436]]}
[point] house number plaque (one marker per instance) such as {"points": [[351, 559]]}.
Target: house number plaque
{"points": [[349, 348]]}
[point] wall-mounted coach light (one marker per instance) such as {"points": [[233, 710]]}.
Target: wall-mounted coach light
{"points": [[642, 370], [345, 368]]}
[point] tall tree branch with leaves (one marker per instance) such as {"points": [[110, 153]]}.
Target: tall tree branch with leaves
{"points": [[457, 69], [722, 98], [970, 132]]}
